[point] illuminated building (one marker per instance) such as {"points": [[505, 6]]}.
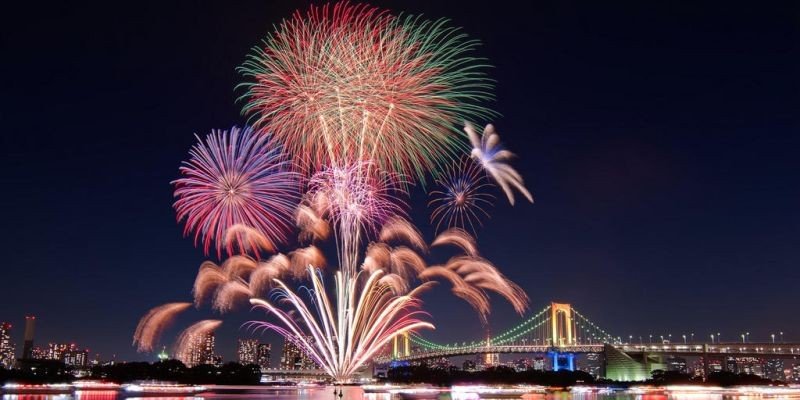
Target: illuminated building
{"points": [[201, 351], [264, 355], [6, 346], [538, 363], [27, 346], [594, 364], [76, 358], [677, 364], [774, 370], [294, 358], [469, 365], [523, 364], [248, 351]]}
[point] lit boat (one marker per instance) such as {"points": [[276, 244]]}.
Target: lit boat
{"points": [[95, 385], [48, 388], [494, 392], [417, 393], [160, 389]]}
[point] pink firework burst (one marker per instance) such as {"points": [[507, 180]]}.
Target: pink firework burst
{"points": [[236, 179], [461, 200], [357, 193]]}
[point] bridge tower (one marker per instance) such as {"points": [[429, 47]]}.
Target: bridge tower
{"points": [[562, 332], [401, 346], [562, 335]]}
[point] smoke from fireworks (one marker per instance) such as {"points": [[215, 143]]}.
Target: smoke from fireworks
{"points": [[236, 179], [486, 149], [460, 201], [346, 83]]}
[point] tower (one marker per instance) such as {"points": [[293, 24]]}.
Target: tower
{"points": [[401, 346], [27, 346], [561, 326]]}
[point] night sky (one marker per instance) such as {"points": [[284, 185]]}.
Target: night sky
{"points": [[659, 138]]}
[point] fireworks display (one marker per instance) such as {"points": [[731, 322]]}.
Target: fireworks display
{"points": [[486, 149], [344, 83], [236, 178], [352, 107], [461, 200]]}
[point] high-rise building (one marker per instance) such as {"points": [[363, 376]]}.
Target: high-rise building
{"points": [[774, 369], [294, 358], [248, 351], [74, 357], [27, 346], [6, 346], [264, 355], [200, 351]]}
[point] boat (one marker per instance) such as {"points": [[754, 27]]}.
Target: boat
{"points": [[45, 388], [417, 393], [160, 389], [86, 385]]}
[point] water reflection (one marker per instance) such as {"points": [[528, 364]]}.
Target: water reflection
{"points": [[356, 393]]}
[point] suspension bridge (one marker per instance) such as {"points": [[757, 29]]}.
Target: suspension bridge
{"points": [[561, 332]]}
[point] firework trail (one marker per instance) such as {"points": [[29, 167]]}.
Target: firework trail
{"points": [[189, 338], [461, 201], [493, 158], [343, 333], [345, 83], [237, 180], [153, 324]]}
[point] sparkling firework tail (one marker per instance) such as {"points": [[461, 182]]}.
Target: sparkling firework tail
{"points": [[341, 341], [153, 324]]}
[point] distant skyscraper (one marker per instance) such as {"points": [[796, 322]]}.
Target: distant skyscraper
{"points": [[200, 351], [248, 351], [264, 355], [27, 346], [6, 346], [294, 358]]}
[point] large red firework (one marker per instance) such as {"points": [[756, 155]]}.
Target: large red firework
{"points": [[349, 83]]}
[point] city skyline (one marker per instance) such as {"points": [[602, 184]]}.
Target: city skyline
{"points": [[663, 182]]}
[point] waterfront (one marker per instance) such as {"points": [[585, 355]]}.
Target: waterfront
{"points": [[457, 393]]}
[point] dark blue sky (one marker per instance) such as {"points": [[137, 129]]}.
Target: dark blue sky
{"points": [[659, 138]]}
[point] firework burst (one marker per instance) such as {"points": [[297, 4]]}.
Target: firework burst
{"points": [[461, 200], [357, 199], [343, 83], [236, 179], [493, 158]]}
